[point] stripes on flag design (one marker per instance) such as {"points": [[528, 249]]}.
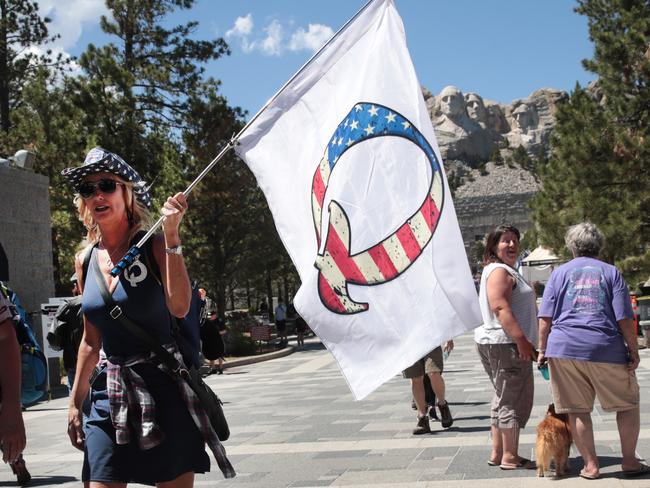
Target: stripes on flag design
{"points": [[392, 256]]}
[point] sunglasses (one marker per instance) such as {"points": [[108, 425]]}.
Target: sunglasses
{"points": [[87, 188]]}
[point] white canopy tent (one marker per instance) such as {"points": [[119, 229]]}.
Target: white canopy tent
{"points": [[538, 265]]}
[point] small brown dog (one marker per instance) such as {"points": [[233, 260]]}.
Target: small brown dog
{"points": [[553, 442]]}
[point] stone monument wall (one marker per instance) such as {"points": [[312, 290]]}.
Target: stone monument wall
{"points": [[26, 237], [477, 216]]}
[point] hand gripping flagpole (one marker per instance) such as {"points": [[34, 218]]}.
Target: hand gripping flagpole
{"points": [[133, 253]]}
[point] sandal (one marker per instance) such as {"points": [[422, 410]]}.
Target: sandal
{"points": [[522, 464], [493, 463], [642, 470], [586, 476]]}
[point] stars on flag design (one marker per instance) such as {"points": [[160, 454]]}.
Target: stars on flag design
{"points": [[393, 255]]}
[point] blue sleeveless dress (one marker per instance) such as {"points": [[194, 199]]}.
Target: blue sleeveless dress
{"points": [[142, 299]]}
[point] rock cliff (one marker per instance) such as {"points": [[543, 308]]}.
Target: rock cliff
{"points": [[469, 129], [475, 137]]}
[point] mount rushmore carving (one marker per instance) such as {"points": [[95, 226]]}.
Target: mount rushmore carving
{"points": [[469, 129]]}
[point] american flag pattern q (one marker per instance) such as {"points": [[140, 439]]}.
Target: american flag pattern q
{"points": [[392, 256]]}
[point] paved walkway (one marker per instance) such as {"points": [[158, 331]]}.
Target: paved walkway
{"points": [[294, 423]]}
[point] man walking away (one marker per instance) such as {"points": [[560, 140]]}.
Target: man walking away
{"points": [[281, 321], [432, 365]]}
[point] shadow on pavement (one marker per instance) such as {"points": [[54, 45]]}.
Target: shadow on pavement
{"points": [[603, 461], [485, 428], [474, 404], [44, 481], [310, 346], [475, 417]]}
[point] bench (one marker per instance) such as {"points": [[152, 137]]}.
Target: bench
{"points": [[261, 333]]}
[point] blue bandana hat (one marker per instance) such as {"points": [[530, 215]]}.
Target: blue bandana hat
{"points": [[100, 160]]}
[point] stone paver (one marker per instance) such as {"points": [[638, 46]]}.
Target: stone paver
{"points": [[294, 423]]}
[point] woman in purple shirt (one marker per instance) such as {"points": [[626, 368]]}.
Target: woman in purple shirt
{"points": [[587, 335]]}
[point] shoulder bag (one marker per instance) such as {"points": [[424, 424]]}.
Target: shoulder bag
{"points": [[208, 398]]}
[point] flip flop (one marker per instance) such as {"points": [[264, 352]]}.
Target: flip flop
{"points": [[586, 476], [522, 464], [492, 463], [643, 470]]}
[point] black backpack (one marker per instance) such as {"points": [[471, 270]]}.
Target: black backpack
{"points": [[67, 330]]}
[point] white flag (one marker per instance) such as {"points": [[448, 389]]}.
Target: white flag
{"points": [[351, 170]]}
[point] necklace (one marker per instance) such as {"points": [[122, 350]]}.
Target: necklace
{"points": [[118, 252]]}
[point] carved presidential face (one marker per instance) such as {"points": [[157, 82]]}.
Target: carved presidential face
{"points": [[452, 102], [523, 117], [475, 107]]}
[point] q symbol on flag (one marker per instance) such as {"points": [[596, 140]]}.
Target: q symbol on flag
{"points": [[392, 256]]}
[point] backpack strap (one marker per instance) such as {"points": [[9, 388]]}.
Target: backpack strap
{"points": [[86, 263]]}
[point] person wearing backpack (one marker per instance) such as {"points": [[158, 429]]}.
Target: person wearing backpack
{"points": [[145, 425], [12, 428], [33, 365]]}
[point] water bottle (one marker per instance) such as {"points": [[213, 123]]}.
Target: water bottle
{"points": [[543, 368]]}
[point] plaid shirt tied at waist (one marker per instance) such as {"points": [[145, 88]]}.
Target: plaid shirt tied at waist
{"points": [[132, 404]]}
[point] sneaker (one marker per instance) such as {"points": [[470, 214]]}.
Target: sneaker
{"points": [[423, 426], [445, 415], [432, 413]]}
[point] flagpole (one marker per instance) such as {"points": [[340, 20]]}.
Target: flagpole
{"points": [[132, 253], [302, 68]]}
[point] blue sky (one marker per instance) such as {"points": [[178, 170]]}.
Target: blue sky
{"points": [[501, 49]]}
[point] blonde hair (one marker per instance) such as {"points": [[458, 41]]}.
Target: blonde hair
{"points": [[138, 215]]}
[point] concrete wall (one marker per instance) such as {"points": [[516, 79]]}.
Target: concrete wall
{"points": [[26, 237]]}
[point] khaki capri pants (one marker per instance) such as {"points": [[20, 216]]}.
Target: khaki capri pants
{"points": [[512, 379]]}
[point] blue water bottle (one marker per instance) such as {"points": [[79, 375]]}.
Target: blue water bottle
{"points": [[543, 368]]}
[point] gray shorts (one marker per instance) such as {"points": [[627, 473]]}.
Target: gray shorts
{"points": [[431, 363], [512, 379]]}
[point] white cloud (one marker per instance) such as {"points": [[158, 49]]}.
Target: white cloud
{"points": [[71, 69], [273, 41], [271, 45], [69, 16], [312, 39], [242, 28]]}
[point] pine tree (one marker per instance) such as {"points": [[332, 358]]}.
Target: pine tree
{"points": [[224, 207], [21, 27], [599, 169], [49, 124], [135, 90]]}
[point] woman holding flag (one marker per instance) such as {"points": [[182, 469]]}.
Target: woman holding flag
{"points": [[143, 426]]}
